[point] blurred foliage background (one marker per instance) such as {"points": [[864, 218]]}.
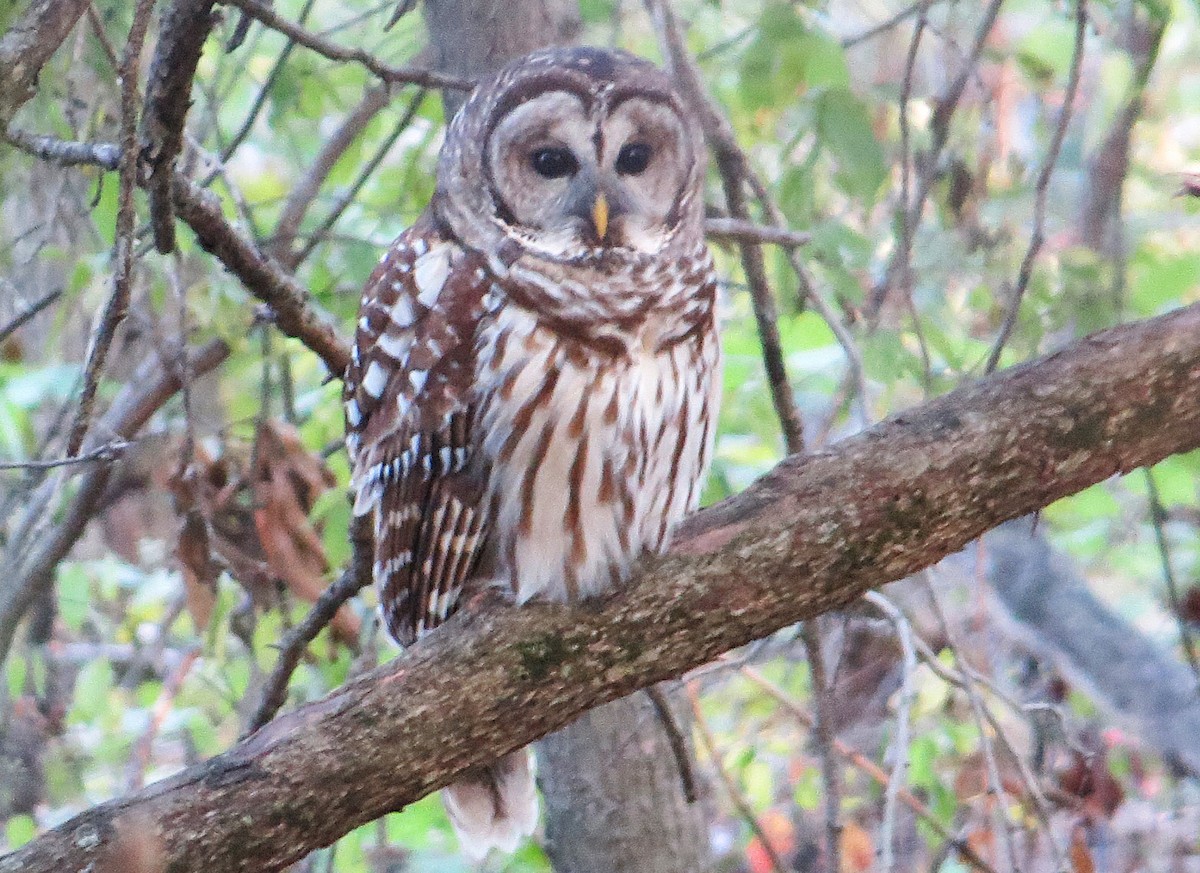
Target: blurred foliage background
{"points": [[153, 650]]}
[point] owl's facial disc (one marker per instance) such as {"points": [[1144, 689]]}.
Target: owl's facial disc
{"points": [[566, 181]]}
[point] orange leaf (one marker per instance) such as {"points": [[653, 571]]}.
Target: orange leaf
{"points": [[199, 570], [858, 849], [1081, 855], [780, 832]]}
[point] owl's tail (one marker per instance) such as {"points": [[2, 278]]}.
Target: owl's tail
{"points": [[495, 806]]}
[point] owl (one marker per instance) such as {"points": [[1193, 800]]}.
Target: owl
{"points": [[534, 381]]}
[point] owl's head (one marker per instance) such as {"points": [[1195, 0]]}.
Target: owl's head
{"points": [[571, 153]]}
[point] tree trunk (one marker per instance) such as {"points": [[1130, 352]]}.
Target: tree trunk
{"points": [[472, 38], [614, 794], [612, 788]]}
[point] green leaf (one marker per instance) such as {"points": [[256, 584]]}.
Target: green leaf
{"points": [[844, 129], [74, 588], [16, 670], [20, 830], [92, 691], [332, 510]]}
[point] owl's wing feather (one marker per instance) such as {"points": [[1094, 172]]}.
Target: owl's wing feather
{"points": [[410, 405]]}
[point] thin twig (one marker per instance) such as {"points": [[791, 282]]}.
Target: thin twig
{"points": [[151, 387], [733, 167], [1158, 519], [939, 133], [139, 757], [899, 751], [1037, 237], [740, 802], [291, 304], [676, 740], [27, 314], [741, 231], [260, 100], [823, 734], [110, 51], [353, 579], [118, 301], [922, 6], [304, 192], [720, 135], [333, 51], [369, 168], [108, 452], [965, 678], [995, 785], [904, 256]]}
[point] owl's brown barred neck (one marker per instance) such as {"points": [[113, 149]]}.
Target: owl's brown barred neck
{"points": [[535, 377]]}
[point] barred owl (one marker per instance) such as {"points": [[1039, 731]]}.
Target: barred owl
{"points": [[533, 389]]}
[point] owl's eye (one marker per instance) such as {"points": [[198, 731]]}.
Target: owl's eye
{"points": [[553, 162], [633, 158]]}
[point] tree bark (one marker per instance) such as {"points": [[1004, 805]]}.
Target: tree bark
{"points": [[472, 38], [810, 536]]}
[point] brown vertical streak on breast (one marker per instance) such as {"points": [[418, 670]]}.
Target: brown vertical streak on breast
{"points": [[529, 477], [520, 421]]}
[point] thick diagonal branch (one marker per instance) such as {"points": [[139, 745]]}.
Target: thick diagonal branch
{"points": [[812, 535]]}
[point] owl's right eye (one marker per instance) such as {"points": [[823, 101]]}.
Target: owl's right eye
{"points": [[553, 162]]}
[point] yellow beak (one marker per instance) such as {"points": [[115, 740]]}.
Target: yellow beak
{"points": [[600, 216]]}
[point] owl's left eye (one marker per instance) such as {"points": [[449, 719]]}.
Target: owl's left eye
{"points": [[633, 158], [553, 162]]}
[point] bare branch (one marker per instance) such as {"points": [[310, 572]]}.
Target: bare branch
{"points": [[184, 27], [939, 126], [26, 47], [676, 740], [110, 451], [921, 6], [335, 52], [721, 139], [368, 169], [734, 169], [895, 783], [27, 314], [65, 153], [305, 191], [293, 308], [811, 536], [118, 300], [741, 231], [739, 801], [1158, 520], [866, 765], [1037, 237], [268, 85]]}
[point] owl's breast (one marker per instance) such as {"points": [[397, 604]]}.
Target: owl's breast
{"points": [[594, 457]]}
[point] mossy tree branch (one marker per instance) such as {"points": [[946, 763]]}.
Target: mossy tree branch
{"points": [[812, 535]]}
